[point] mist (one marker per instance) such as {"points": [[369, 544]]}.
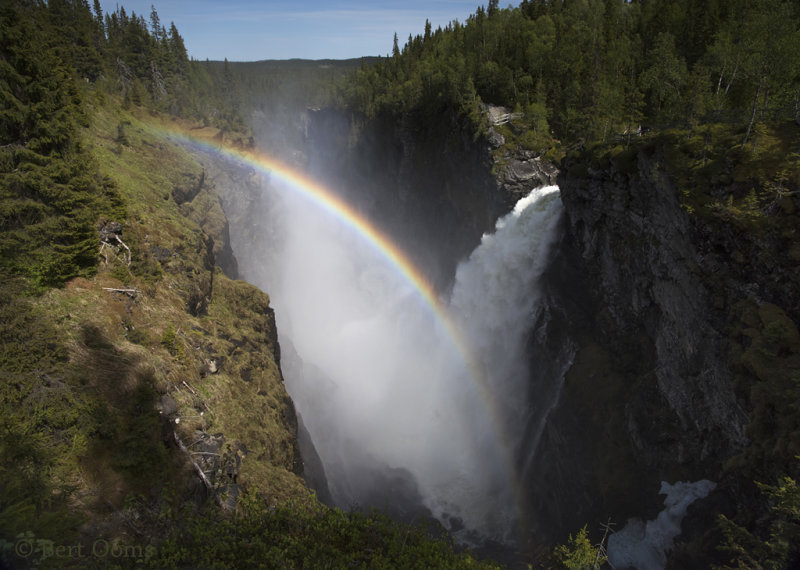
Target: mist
{"points": [[412, 409]]}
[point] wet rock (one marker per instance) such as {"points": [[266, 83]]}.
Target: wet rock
{"points": [[523, 172], [495, 139]]}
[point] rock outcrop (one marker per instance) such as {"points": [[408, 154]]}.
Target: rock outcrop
{"points": [[637, 245]]}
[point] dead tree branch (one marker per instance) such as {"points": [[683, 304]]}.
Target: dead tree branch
{"points": [[129, 292], [200, 472]]}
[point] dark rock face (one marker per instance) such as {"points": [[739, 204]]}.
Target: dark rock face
{"points": [[431, 198], [649, 394], [313, 470], [223, 254], [239, 249], [636, 240], [199, 293]]}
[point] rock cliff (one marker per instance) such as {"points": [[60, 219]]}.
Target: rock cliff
{"points": [[666, 313], [650, 393], [645, 348], [435, 188]]}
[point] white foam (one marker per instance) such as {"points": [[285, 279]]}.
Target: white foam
{"points": [[644, 546]]}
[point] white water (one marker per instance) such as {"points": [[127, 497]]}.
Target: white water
{"points": [[378, 380], [645, 546]]}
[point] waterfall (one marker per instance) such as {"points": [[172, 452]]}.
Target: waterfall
{"points": [[411, 408]]}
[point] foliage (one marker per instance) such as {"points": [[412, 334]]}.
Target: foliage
{"points": [[776, 544], [56, 414], [51, 195], [41, 419], [597, 70], [578, 553], [304, 536]]}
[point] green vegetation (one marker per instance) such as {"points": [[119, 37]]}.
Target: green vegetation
{"points": [[294, 83], [58, 60], [119, 354], [774, 546], [589, 71], [304, 536], [51, 193], [41, 421], [579, 553], [110, 351]]}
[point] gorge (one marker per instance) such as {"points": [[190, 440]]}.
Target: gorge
{"points": [[609, 295], [524, 292]]}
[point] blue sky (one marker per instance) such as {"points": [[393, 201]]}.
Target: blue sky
{"points": [[251, 30]]}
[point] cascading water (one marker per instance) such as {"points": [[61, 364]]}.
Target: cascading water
{"points": [[410, 406]]}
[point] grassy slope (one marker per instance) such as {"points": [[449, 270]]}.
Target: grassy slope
{"points": [[101, 362], [99, 382], [233, 326]]}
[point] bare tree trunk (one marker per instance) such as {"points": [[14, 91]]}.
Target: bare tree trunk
{"points": [[733, 76], [797, 108], [753, 114], [203, 477]]}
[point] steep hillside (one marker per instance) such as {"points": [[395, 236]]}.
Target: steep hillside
{"points": [[136, 377], [149, 396], [144, 416]]}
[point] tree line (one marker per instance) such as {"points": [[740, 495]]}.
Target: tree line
{"points": [[56, 60], [587, 70]]}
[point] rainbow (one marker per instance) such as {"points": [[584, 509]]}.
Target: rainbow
{"points": [[328, 201]]}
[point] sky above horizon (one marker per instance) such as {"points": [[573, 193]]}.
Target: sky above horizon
{"points": [[253, 30]]}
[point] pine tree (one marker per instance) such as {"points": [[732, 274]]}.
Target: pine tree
{"points": [[49, 195]]}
